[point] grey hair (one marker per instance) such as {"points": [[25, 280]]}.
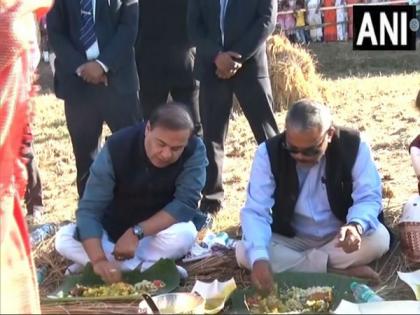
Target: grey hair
{"points": [[306, 114], [172, 116]]}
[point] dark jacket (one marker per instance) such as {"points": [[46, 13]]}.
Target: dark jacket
{"points": [[340, 157], [247, 26], [163, 49], [116, 30], [141, 189]]}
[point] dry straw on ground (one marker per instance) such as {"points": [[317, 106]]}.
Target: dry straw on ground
{"points": [[293, 73], [46, 256]]}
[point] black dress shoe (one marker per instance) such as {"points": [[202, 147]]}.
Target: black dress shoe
{"points": [[210, 206]]}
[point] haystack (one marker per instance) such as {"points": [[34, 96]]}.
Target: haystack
{"points": [[45, 255], [293, 73]]}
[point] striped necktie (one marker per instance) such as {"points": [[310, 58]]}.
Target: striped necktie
{"points": [[87, 28]]}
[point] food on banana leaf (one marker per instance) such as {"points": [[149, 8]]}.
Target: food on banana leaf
{"points": [[310, 300], [117, 289]]}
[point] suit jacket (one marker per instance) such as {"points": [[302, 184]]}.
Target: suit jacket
{"points": [[163, 49], [116, 31], [247, 25]]}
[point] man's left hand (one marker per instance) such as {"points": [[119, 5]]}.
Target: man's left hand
{"points": [[92, 72], [349, 238], [126, 245]]}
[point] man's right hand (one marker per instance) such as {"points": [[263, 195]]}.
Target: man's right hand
{"points": [[262, 277], [225, 62], [108, 271]]}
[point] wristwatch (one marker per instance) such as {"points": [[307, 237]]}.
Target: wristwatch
{"points": [[138, 231], [358, 227]]}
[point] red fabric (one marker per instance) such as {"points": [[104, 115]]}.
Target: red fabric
{"points": [[350, 16], [18, 290], [330, 17]]}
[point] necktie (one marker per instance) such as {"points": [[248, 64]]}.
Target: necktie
{"points": [[87, 28]]}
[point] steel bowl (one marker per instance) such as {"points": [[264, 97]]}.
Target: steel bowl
{"points": [[175, 303]]}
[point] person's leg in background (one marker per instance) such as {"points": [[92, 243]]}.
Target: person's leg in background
{"points": [[152, 94], [216, 97], [256, 100], [121, 110], [154, 86], [188, 95], [84, 123], [33, 193]]}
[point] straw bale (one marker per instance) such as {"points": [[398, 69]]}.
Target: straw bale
{"points": [[45, 255], [293, 73]]}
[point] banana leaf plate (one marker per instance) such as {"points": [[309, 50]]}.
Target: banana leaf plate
{"points": [[164, 270], [284, 280]]}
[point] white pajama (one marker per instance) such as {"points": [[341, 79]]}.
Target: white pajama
{"points": [[173, 243], [309, 255]]}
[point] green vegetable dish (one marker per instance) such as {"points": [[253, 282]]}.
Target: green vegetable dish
{"points": [[117, 289], [292, 300]]}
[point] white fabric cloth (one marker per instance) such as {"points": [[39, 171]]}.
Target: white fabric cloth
{"points": [[314, 18], [308, 255], [173, 243]]}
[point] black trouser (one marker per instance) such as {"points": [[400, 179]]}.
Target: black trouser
{"points": [[255, 98], [153, 94], [164, 69], [85, 118], [33, 193]]}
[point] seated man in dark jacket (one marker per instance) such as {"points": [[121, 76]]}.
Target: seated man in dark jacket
{"points": [[142, 192], [314, 201]]}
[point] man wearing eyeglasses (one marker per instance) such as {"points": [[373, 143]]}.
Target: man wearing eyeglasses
{"points": [[313, 201]]}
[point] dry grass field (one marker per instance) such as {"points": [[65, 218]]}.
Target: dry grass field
{"points": [[374, 96], [373, 92]]}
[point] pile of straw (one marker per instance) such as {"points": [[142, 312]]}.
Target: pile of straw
{"points": [[392, 288], [45, 255], [91, 308], [293, 74], [221, 266]]}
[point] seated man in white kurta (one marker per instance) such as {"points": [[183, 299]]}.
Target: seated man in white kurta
{"points": [[313, 201]]}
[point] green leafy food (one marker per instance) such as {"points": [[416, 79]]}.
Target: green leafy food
{"points": [[309, 300], [118, 289]]}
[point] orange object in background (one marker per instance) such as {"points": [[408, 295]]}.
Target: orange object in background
{"points": [[18, 286], [350, 16], [330, 18]]}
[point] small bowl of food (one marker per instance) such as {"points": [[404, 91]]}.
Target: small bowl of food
{"points": [[175, 303]]}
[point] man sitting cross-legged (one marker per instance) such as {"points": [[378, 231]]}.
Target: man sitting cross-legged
{"points": [[314, 201], [142, 192]]}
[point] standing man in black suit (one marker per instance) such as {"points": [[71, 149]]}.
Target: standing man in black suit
{"points": [[230, 39], [165, 57], [95, 71]]}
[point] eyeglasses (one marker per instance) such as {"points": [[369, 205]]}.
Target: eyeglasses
{"points": [[311, 151]]}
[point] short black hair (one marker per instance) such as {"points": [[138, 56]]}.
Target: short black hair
{"points": [[172, 116]]}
